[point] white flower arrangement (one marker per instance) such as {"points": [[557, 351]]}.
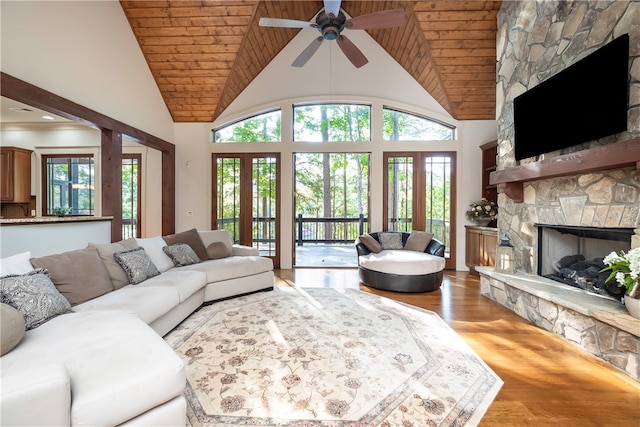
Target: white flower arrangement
{"points": [[484, 210], [625, 267]]}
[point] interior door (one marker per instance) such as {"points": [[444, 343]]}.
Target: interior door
{"points": [[245, 200]]}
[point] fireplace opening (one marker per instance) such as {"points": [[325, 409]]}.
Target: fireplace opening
{"points": [[574, 256]]}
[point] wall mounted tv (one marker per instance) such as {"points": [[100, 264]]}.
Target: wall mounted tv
{"points": [[584, 102]]}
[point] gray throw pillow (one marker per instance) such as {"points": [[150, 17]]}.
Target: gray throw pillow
{"points": [[181, 254], [390, 240], [217, 250], [12, 328], [35, 296], [137, 264], [418, 241], [370, 243]]}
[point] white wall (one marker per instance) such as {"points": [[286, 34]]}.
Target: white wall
{"points": [[84, 51]]}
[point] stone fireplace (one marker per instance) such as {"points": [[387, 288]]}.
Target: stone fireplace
{"points": [[594, 186]]}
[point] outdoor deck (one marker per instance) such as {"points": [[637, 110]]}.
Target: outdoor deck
{"points": [[320, 255]]}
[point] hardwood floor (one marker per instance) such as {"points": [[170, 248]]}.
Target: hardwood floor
{"points": [[547, 381]]}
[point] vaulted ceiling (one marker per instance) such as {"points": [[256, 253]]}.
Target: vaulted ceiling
{"points": [[203, 54]]}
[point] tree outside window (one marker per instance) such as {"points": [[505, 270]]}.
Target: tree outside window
{"points": [[68, 185], [401, 126]]}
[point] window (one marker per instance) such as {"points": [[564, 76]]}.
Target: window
{"points": [[131, 196], [68, 184], [261, 128], [325, 122], [401, 126]]}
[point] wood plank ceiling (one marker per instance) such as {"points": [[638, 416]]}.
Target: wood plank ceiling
{"points": [[203, 54]]}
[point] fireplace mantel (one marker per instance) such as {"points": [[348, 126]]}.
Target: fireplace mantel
{"points": [[611, 156]]}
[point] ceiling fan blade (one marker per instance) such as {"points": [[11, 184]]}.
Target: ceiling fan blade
{"points": [[375, 20], [352, 53], [308, 52], [332, 6], [285, 23]]}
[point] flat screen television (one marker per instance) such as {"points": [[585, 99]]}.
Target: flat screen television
{"points": [[584, 102]]}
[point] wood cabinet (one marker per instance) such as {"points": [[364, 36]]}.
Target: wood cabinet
{"points": [[481, 244], [15, 168]]}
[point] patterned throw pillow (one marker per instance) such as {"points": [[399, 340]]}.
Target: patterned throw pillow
{"points": [[181, 254], [35, 296], [390, 240], [137, 264]]}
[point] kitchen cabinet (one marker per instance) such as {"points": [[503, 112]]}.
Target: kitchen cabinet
{"points": [[15, 170]]}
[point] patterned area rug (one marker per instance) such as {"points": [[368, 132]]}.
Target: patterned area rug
{"points": [[328, 357]]}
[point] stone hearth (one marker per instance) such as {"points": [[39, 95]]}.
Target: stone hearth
{"points": [[600, 326]]}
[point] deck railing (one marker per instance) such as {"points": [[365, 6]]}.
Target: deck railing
{"points": [[329, 230]]}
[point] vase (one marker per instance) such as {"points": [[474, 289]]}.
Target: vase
{"points": [[482, 223], [633, 306]]}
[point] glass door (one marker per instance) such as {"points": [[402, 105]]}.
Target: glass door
{"points": [[245, 200]]}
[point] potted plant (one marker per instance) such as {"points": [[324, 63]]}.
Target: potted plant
{"points": [[61, 211], [625, 268], [482, 212]]}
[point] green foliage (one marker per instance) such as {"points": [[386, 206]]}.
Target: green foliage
{"points": [[398, 126], [262, 128]]}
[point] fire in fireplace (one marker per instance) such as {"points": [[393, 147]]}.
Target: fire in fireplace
{"points": [[574, 256]]}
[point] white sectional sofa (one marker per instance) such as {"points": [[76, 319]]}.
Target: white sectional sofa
{"points": [[104, 362]]}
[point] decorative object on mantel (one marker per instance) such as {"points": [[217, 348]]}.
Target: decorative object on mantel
{"points": [[60, 211], [505, 262], [625, 267], [482, 212]]}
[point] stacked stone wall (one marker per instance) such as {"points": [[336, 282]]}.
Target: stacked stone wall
{"points": [[537, 39]]}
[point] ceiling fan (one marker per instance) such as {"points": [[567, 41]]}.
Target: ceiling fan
{"points": [[331, 22]]}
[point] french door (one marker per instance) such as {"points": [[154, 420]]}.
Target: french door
{"points": [[419, 194], [245, 200]]}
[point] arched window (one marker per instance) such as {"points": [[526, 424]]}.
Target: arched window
{"points": [[331, 122], [260, 128], [402, 126]]}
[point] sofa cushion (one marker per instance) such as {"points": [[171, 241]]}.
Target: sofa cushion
{"points": [[184, 282], [136, 264], [79, 275], [217, 250], [231, 267], [181, 254], [390, 240], [418, 241], [16, 264], [118, 276], [148, 303], [12, 328], [370, 243], [191, 238], [115, 376], [153, 246], [35, 296], [402, 262]]}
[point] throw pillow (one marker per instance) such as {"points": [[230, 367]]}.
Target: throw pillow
{"points": [[418, 241], [390, 240], [118, 276], [217, 250], [191, 238], [137, 264], [35, 296], [153, 246], [211, 236], [181, 254], [370, 243], [16, 264], [79, 275], [12, 327]]}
